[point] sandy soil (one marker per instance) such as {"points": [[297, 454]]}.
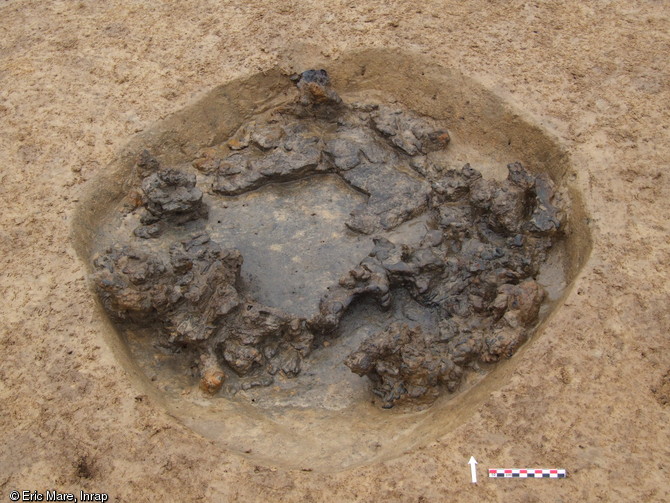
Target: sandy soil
{"points": [[78, 79]]}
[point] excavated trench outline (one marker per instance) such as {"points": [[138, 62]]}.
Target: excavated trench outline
{"points": [[485, 132]]}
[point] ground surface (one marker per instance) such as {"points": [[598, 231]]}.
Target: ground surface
{"points": [[77, 79]]}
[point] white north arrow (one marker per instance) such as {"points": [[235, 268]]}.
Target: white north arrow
{"points": [[473, 469]]}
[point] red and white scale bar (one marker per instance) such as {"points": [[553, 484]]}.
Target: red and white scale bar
{"points": [[528, 473]]}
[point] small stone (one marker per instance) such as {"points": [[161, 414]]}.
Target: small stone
{"points": [[147, 164], [212, 380], [315, 89], [171, 194], [148, 231]]}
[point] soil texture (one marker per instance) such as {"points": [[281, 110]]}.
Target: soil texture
{"points": [[79, 80]]}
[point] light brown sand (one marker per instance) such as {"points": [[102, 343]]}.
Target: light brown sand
{"points": [[78, 79]]}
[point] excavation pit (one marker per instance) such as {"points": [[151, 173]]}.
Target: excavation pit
{"points": [[258, 246]]}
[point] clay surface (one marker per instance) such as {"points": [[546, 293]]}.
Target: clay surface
{"points": [[473, 268]]}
